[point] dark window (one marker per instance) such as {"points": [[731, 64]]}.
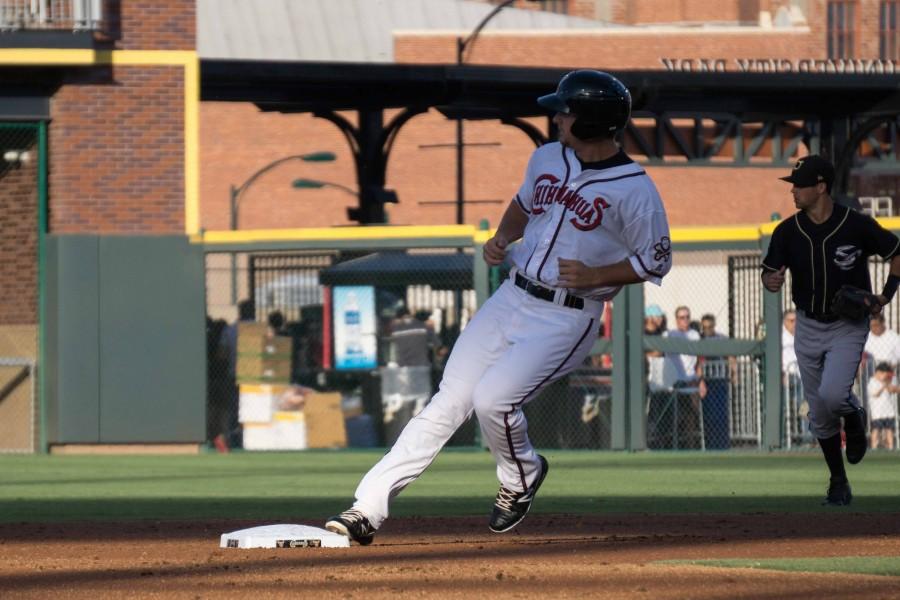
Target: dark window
{"points": [[887, 30], [841, 28], [557, 6]]}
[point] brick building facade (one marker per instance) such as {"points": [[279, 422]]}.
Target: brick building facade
{"points": [[116, 140], [18, 243], [422, 165], [117, 134]]}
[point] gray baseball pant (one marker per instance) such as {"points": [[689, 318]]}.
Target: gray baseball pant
{"points": [[828, 355]]}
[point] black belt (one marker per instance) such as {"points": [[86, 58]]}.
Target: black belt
{"points": [[821, 318], [544, 293]]}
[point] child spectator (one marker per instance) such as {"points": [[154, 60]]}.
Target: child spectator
{"points": [[883, 405]]}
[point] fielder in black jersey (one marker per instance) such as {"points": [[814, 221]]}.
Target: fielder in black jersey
{"points": [[826, 246]]}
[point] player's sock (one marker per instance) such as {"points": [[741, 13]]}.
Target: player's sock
{"points": [[831, 448]]}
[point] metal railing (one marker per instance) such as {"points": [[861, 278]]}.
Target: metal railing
{"points": [[77, 15]]}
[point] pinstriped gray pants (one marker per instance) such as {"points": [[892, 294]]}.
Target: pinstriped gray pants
{"points": [[828, 355]]}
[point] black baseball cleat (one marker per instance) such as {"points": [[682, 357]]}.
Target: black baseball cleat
{"points": [[855, 429], [354, 525], [838, 494], [511, 507]]}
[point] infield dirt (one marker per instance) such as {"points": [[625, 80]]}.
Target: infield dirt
{"points": [[553, 556]]}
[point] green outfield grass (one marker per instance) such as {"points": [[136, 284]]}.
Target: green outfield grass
{"points": [[865, 565], [317, 483]]}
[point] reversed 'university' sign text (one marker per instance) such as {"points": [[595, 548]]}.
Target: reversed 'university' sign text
{"points": [[782, 65]]}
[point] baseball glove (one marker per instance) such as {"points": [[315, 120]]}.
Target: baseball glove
{"points": [[853, 303]]}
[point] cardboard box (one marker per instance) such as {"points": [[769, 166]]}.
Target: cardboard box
{"points": [[276, 346], [325, 421], [286, 431], [249, 336], [260, 368], [259, 402]]}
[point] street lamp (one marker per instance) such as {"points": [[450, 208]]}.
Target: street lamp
{"points": [[235, 196], [313, 184], [237, 191], [461, 44], [371, 200]]}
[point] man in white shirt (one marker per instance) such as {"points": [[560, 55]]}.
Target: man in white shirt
{"points": [[788, 356], [685, 364], [687, 385], [883, 344]]}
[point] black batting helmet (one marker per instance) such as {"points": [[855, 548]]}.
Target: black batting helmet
{"points": [[601, 103]]}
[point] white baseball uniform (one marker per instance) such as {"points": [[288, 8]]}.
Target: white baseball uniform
{"points": [[530, 332]]}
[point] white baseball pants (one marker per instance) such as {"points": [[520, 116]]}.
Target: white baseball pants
{"points": [[514, 346]]}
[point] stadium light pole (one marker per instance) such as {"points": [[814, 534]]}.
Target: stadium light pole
{"points": [[236, 191], [313, 184], [461, 45], [235, 199]]}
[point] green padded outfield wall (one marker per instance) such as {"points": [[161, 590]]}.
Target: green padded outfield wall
{"points": [[126, 350]]}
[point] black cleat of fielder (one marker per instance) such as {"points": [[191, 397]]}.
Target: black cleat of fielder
{"points": [[838, 495], [855, 429], [354, 525], [511, 507]]}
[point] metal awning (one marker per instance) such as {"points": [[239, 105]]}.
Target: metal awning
{"points": [[496, 91], [695, 118], [450, 271]]}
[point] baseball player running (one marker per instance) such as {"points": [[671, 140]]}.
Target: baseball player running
{"points": [[590, 220], [826, 246]]}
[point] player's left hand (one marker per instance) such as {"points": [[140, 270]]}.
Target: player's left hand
{"points": [[881, 302], [576, 274]]}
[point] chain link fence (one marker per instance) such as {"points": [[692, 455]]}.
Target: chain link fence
{"points": [[697, 401], [375, 328], [716, 403], [19, 200]]}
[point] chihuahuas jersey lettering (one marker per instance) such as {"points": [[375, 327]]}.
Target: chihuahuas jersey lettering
{"points": [[612, 212]]}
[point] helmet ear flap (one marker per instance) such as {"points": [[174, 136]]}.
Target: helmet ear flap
{"points": [[585, 130], [579, 130]]}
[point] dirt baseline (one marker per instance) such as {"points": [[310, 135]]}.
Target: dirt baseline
{"points": [[558, 556]]}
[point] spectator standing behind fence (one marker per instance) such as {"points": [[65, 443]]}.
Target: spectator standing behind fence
{"points": [[685, 364], [277, 323], [883, 390], [788, 356], [883, 344], [717, 373], [218, 385], [655, 325], [687, 378], [790, 376], [661, 377], [246, 313], [411, 340], [826, 246]]}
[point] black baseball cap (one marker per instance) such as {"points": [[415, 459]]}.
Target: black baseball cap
{"points": [[811, 170]]}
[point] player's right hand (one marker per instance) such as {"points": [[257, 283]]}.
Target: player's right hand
{"points": [[773, 280], [495, 250]]}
